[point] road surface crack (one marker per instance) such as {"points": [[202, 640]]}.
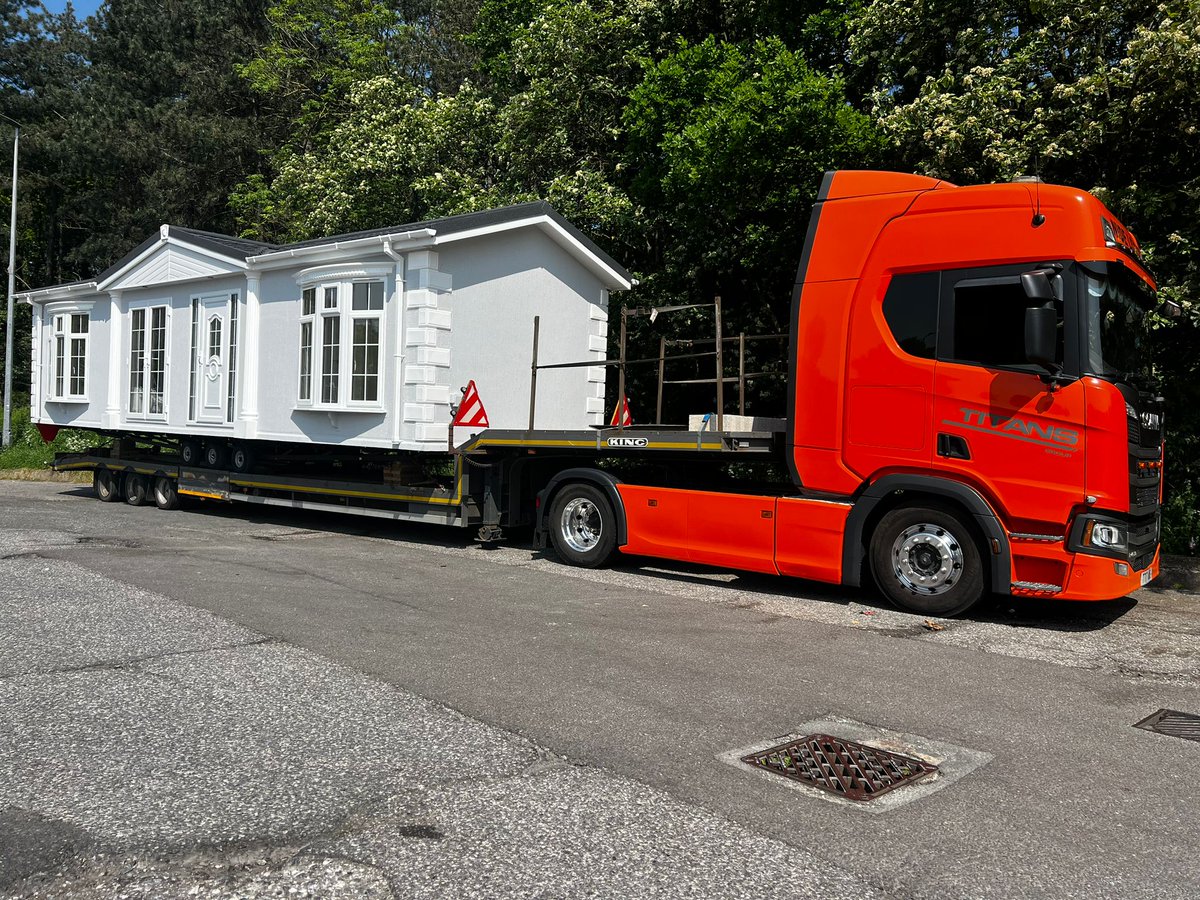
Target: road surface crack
{"points": [[134, 661]]}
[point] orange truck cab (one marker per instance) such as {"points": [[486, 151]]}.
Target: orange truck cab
{"points": [[967, 408], [967, 380]]}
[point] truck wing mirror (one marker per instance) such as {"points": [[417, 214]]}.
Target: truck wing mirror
{"points": [[1041, 324], [1170, 309], [1038, 284]]}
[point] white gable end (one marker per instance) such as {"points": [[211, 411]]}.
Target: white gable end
{"points": [[170, 263]]}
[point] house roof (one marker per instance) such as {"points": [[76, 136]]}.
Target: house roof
{"points": [[246, 252], [223, 244]]}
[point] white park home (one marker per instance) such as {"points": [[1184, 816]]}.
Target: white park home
{"points": [[359, 339]]}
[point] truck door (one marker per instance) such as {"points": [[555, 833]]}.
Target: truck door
{"points": [[890, 376], [997, 424]]}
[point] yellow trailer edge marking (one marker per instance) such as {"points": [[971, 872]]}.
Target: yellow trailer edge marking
{"points": [[203, 494], [372, 495]]}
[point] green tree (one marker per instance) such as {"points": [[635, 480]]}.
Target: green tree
{"points": [[728, 146]]}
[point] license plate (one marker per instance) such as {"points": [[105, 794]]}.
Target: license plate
{"points": [[1147, 577]]}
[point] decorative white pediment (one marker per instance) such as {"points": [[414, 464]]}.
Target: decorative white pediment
{"points": [[171, 262], [347, 271]]}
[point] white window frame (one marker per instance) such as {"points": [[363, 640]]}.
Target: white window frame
{"points": [[354, 316], [333, 299], [148, 306], [304, 393], [64, 311]]}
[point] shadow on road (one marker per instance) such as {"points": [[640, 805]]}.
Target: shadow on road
{"points": [[1048, 614]]}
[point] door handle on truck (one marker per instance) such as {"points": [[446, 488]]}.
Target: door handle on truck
{"points": [[952, 446]]}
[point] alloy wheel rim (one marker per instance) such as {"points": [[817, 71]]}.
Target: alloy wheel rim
{"points": [[927, 559], [581, 525]]}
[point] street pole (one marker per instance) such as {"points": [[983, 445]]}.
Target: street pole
{"points": [[8, 325]]}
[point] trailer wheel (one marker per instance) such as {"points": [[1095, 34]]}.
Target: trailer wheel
{"points": [[241, 458], [166, 494], [137, 489], [189, 453], [214, 455], [583, 526], [926, 561], [106, 485]]}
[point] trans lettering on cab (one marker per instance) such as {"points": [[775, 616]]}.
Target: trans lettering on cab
{"points": [[1057, 441]]}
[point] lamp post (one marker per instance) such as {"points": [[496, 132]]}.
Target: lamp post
{"points": [[8, 325]]}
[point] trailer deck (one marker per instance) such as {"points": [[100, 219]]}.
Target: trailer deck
{"points": [[472, 494]]}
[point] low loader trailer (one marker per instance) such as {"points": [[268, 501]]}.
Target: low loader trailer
{"points": [[968, 412]]}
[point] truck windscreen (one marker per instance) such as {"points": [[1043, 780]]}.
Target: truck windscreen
{"points": [[1117, 307]]}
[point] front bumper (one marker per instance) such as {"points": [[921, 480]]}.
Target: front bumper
{"points": [[1096, 578]]}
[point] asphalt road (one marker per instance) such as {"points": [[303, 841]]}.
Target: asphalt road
{"points": [[232, 702]]}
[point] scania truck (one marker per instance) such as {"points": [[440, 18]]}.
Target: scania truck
{"points": [[968, 412]]}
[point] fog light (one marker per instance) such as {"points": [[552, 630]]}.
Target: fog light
{"points": [[1121, 568]]}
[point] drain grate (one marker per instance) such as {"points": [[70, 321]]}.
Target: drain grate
{"points": [[1174, 723], [846, 768]]}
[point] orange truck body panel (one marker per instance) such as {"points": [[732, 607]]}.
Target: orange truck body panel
{"points": [[862, 408]]}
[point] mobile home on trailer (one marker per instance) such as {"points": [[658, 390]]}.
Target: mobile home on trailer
{"points": [[966, 408], [356, 340]]}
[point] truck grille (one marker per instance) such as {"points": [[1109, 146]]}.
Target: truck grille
{"points": [[1143, 542], [1143, 496]]}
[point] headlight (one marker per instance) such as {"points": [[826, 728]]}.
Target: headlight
{"points": [[1106, 536]]}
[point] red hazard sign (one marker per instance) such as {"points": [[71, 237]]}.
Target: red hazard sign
{"points": [[471, 412], [621, 415]]}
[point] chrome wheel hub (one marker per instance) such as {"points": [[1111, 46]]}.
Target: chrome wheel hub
{"points": [[927, 559], [581, 525]]}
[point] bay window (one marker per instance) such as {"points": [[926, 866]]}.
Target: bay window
{"points": [[341, 340]]}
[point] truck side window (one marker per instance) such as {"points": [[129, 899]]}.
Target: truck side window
{"points": [[911, 310], [989, 324]]}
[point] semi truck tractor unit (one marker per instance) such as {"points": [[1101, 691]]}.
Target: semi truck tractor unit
{"points": [[969, 411]]}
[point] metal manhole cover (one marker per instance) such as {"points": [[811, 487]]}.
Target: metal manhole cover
{"points": [[846, 768], [1174, 723]]}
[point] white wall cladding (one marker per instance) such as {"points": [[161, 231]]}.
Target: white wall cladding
{"points": [[500, 283], [454, 311]]}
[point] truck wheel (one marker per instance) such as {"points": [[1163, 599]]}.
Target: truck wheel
{"points": [[582, 526], [214, 456], [189, 453], [136, 489], [106, 485], [166, 495], [241, 458], [926, 561]]}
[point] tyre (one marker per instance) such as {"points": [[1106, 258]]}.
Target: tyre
{"points": [[106, 485], [189, 453], [166, 494], [927, 561], [583, 526], [214, 456], [241, 458], [137, 489]]}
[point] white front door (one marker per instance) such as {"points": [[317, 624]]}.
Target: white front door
{"points": [[212, 358]]}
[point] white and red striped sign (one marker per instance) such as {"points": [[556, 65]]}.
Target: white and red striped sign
{"points": [[471, 412], [621, 414]]}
